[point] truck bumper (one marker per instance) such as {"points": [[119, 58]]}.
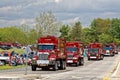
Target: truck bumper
{"points": [[43, 63], [93, 57], [72, 61], [108, 54]]}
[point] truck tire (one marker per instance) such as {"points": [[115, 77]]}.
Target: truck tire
{"points": [[77, 64], [82, 61], [55, 67], [113, 54], [33, 67], [88, 59], [116, 53], [102, 56], [64, 65], [97, 59]]}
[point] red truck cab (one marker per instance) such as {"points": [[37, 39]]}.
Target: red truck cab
{"points": [[74, 53], [95, 51], [108, 50], [50, 53]]}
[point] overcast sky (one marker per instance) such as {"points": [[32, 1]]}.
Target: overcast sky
{"points": [[17, 12]]}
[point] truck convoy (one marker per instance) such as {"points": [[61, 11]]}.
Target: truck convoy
{"points": [[95, 51], [74, 53], [50, 54]]}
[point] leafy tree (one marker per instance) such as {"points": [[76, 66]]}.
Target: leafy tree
{"points": [[32, 36], [46, 24], [115, 28], [76, 32], [116, 40], [65, 31], [105, 38], [87, 35], [12, 34], [100, 26]]}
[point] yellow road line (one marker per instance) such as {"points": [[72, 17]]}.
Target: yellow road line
{"points": [[108, 75]]}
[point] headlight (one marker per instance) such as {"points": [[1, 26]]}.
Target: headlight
{"points": [[89, 54], [74, 57], [107, 51], [52, 58], [96, 54], [34, 59]]}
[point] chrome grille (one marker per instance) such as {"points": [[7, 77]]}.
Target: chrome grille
{"points": [[92, 54], [70, 56], [43, 56]]}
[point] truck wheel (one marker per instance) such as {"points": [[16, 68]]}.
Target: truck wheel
{"points": [[102, 57], [33, 68], [88, 59], [116, 52], [55, 67], [98, 59], [81, 61], [64, 65], [77, 64], [113, 54]]}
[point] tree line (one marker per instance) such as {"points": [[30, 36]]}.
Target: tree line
{"points": [[100, 30]]}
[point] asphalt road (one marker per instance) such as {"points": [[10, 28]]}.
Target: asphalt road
{"points": [[92, 70], [95, 70]]}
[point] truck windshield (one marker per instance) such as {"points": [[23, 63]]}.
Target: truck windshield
{"points": [[71, 49], [45, 47], [5, 55], [93, 50], [107, 48]]}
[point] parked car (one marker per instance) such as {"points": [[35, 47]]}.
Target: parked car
{"points": [[4, 58], [5, 47]]}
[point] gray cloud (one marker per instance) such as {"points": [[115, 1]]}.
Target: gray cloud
{"points": [[13, 11]]}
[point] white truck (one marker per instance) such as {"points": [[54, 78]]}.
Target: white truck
{"points": [[4, 58]]}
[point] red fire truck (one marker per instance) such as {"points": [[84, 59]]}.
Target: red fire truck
{"points": [[74, 53], [115, 47], [50, 54], [95, 51], [108, 50]]}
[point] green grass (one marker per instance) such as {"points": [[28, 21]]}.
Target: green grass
{"points": [[6, 67], [19, 51]]}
